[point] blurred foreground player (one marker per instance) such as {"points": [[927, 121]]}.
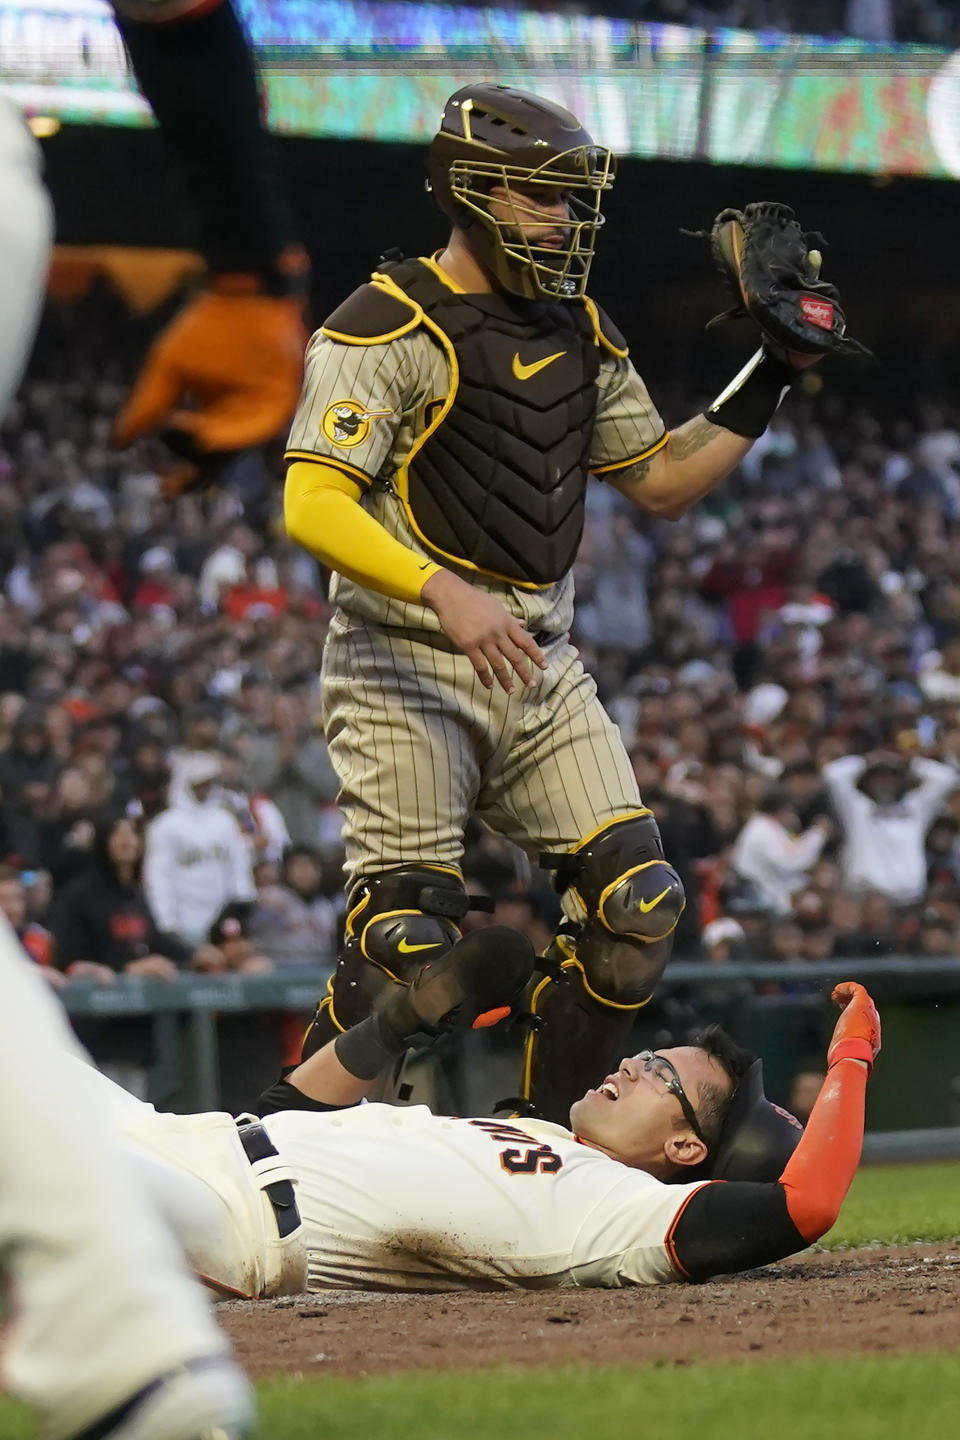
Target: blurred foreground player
{"points": [[109, 1335], [454, 411]]}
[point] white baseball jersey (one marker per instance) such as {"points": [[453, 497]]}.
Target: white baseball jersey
{"points": [[398, 1198], [401, 1199]]}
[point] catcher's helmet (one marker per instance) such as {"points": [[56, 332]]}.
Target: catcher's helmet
{"points": [[492, 135], [757, 1138]]}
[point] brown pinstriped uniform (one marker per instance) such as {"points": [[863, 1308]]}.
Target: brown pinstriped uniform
{"points": [[418, 743]]}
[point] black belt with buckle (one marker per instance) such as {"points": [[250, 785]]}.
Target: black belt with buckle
{"points": [[256, 1142]]}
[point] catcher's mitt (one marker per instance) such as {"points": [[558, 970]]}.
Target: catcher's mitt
{"points": [[768, 262]]}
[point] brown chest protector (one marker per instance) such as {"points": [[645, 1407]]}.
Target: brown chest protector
{"points": [[499, 482]]}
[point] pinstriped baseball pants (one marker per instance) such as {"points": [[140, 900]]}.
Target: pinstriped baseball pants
{"points": [[419, 746]]}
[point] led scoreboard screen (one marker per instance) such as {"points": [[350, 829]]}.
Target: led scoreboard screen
{"points": [[353, 70]]}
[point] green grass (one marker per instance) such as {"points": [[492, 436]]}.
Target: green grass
{"points": [[888, 1398], [897, 1204], [893, 1397]]}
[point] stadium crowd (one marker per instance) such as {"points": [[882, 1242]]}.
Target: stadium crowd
{"points": [[784, 664]]}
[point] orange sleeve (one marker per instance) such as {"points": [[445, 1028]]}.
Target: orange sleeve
{"points": [[820, 1171]]}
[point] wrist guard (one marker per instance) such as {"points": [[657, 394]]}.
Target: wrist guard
{"points": [[752, 398]]}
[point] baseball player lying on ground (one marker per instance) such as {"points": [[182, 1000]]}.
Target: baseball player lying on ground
{"points": [[379, 1197]]}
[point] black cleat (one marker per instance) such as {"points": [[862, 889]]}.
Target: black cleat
{"points": [[477, 984]]}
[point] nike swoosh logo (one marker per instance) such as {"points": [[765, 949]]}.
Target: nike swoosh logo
{"points": [[523, 372], [406, 949], [647, 905]]}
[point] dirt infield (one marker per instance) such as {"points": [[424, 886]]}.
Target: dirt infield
{"points": [[861, 1301]]}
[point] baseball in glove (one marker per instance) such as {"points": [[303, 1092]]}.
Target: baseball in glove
{"points": [[773, 269]]}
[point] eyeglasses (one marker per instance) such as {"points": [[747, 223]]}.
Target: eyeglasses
{"points": [[662, 1068]]}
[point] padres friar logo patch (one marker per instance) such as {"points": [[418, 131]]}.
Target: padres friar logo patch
{"points": [[347, 422]]}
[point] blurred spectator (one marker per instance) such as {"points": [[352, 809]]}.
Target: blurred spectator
{"points": [[36, 941], [65, 841], [259, 818], [724, 940], [769, 852], [285, 757], [228, 946], [157, 588], [943, 854], [936, 936], [293, 921], [940, 681], [743, 904], [29, 765], [196, 862], [785, 940], [103, 928], [102, 923], [143, 791], [804, 1089], [876, 933], [885, 806]]}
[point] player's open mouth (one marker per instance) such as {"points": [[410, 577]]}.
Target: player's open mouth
{"points": [[609, 1089]]}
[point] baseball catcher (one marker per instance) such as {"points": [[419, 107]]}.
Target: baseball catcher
{"points": [[488, 389]]}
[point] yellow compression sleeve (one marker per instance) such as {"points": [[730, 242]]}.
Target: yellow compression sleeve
{"points": [[322, 512]]}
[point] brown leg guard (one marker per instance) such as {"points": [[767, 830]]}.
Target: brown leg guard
{"points": [[321, 1028], [397, 922], [627, 901], [575, 1039]]}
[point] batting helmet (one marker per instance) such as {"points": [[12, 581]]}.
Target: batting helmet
{"points": [[757, 1138], [493, 135]]}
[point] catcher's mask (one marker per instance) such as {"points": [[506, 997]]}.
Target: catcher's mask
{"points": [[493, 135], [757, 1138]]}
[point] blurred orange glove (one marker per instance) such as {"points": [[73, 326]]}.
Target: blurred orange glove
{"points": [[856, 1035], [238, 360]]}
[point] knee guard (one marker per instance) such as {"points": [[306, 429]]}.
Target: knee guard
{"points": [[622, 902], [397, 921], [627, 900]]}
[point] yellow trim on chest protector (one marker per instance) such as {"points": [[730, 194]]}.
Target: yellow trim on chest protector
{"points": [[402, 476]]}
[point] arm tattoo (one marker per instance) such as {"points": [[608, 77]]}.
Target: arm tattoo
{"points": [[639, 470], [691, 437]]}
